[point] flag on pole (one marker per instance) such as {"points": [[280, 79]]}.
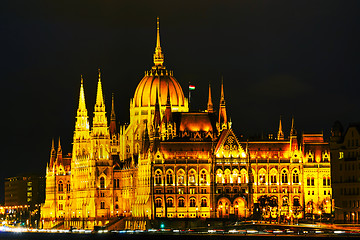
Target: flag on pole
{"points": [[191, 87]]}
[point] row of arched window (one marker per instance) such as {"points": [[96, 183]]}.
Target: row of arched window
{"points": [[227, 176], [181, 178], [180, 202]]}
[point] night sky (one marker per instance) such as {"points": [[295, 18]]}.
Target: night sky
{"points": [[285, 58]]}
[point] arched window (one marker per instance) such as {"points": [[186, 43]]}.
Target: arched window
{"points": [[235, 176], [227, 176], [273, 178], [158, 202], [203, 202], [312, 181], [170, 202], [181, 202], [116, 207], [324, 181], [203, 177], [169, 177], [102, 182], [181, 177], [244, 176], [219, 177], [60, 186], [308, 181], [192, 179], [262, 176], [329, 181], [158, 177], [68, 187], [295, 176], [192, 202], [284, 176]]}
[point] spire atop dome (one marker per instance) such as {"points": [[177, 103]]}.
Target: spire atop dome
{"points": [[158, 55]]}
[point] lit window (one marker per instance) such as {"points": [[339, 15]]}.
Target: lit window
{"points": [[102, 182], [341, 155]]}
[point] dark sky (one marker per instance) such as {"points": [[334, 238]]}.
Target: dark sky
{"points": [[277, 58]]}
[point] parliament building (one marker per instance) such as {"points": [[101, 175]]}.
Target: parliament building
{"points": [[169, 162]]}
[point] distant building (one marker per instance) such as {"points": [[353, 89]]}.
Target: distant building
{"points": [[24, 190], [345, 169]]}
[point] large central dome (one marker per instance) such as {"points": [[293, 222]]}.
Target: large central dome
{"points": [[157, 81]]}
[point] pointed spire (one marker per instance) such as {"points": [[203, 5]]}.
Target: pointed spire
{"points": [[82, 111], [59, 154], [52, 154], [99, 106], [292, 131], [158, 55], [82, 123], [157, 117], [100, 126], [168, 113], [210, 107], [112, 117], [222, 109], [280, 135], [59, 147]]}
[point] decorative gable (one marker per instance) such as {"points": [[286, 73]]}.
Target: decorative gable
{"points": [[229, 146]]}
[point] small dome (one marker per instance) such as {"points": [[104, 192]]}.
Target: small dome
{"points": [[158, 80]]}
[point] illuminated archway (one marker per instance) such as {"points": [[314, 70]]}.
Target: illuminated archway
{"points": [[223, 208], [239, 207]]}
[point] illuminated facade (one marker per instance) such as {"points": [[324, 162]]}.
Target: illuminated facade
{"points": [[172, 163]]}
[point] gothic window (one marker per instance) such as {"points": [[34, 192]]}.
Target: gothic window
{"points": [[227, 176], [116, 207], [235, 178], [219, 176], [295, 176], [181, 177], [181, 202], [68, 187], [60, 186], [312, 181], [169, 177], [101, 155], [308, 181], [158, 177], [328, 181], [296, 202], [192, 202], [324, 181], [102, 182], [61, 207], [158, 202], [170, 202], [203, 177], [203, 202], [192, 179], [102, 205], [284, 176], [262, 176], [243, 176]]}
